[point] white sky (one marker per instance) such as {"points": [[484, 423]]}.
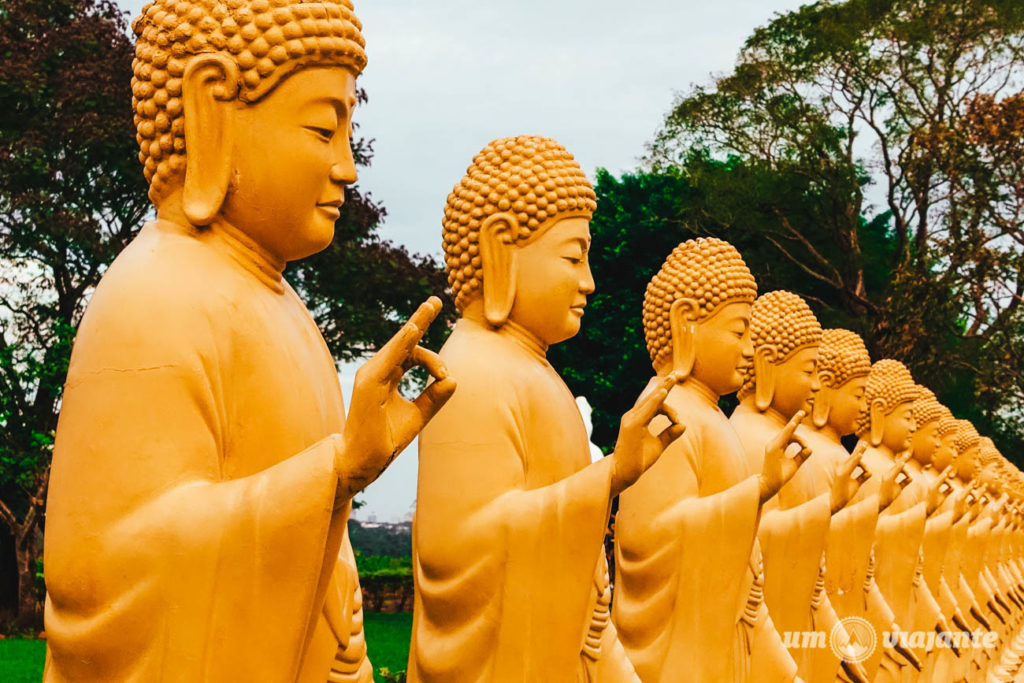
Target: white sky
{"points": [[446, 77]]}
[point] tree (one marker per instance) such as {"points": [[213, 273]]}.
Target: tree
{"points": [[72, 195], [903, 114]]}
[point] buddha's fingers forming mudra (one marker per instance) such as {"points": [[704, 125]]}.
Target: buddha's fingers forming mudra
{"points": [[380, 422], [636, 447], [783, 456]]}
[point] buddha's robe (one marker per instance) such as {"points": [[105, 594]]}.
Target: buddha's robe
{"points": [[688, 591], [849, 579], [974, 662], [792, 534], [944, 664], [511, 577], [194, 518]]}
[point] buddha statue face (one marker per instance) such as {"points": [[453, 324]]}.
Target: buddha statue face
{"points": [[843, 404], [784, 372], [516, 236], [243, 111], [927, 412], [945, 454], [898, 428], [843, 366], [889, 419], [968, 444], [553, 281], [697, 314]]}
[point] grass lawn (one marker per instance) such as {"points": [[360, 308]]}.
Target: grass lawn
{"points": [[387, 637]]}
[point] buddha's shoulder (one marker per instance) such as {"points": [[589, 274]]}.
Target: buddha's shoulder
{"points": [[474, 353], [161, 273]]}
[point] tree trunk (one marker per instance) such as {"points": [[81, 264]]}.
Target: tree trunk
{"points": [[30, 613]]}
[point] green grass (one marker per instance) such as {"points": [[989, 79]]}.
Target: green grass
{"points": [[21, 661], [387, 637]]}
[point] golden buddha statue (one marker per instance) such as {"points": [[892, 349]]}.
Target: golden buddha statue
{"points": [[203, 466], [843, 367], [689, 588], [511, 578], [794, 525], [888, 426], [930, 484]]}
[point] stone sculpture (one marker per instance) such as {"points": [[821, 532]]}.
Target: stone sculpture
{"points": [[689, 587], [204, 467], [511, 577]]}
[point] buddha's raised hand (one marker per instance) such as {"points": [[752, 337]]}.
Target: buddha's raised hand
{"points": [[937, 491], [783, 456], [636, 448], [381, 422], [893, 482], [846, 485]]}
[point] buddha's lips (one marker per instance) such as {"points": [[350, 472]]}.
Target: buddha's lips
{"points": [[334, 203]]}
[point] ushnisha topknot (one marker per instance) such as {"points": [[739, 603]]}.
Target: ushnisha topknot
{"points": [[926, 407], [267, 39], [890, 381], [783, 320], [708, 270], [967, 436], [843, 355]]}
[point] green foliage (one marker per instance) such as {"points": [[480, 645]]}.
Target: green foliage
{"points": [[383, 565], [873, 146], [384, 539]]}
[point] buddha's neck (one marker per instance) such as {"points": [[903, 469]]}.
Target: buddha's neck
{"points": [[701, 390], [828, 431], [509, 329], [227, 238], [772, 414]]}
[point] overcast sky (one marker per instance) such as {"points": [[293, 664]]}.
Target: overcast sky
{"points": [[446, 77]]}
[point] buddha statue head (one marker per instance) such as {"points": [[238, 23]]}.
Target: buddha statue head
{"points": [[697, 314], [784, 373], [888, 420], [967, 442], [927, 413], [843, 367], [945, 454], [516, 235], [243, 115], [990, 465]]}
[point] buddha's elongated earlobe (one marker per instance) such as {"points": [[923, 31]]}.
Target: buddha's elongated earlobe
{"points": [[764, 376], [498, 263], [822, 404], [876, 414], [209, 84], [683, 322]]}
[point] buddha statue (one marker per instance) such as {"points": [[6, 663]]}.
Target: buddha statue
{"points": [[204, 467], [888, 426], [931, 485], [689, 586], [794, 525], [508, 537], [843, 366]]}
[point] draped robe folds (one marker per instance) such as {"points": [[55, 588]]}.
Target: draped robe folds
{"points": [[792, 535], [511, 578], [194, 521], [848, 551], [687, 596]]}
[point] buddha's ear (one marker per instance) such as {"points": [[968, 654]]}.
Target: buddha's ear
{"points": [[498, 262], [764, 376], [209, 85], [876, 415], [682, 318], [822, 404]]}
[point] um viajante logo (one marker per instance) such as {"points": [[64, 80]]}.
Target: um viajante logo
{"points": [[853, 639]]}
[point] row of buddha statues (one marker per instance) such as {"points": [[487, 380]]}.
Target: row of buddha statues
{"points": [[205, 463]]}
